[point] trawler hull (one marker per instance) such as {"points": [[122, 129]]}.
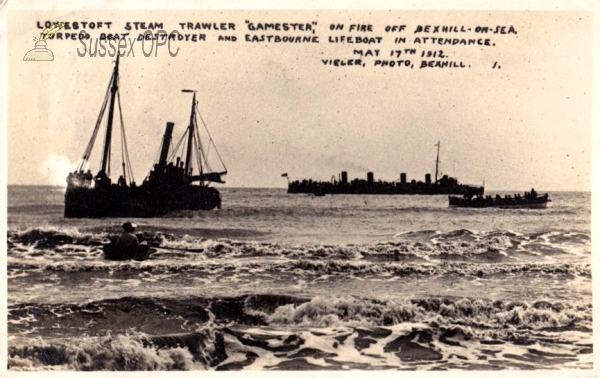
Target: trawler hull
{"points": [[115, 201]]}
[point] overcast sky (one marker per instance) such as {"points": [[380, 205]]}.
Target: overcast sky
{"points": [[276, 108]]}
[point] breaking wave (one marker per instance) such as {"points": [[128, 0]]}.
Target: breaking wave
{"points": [[124, 352], [318, 267], [423, 245], [269, 331]]}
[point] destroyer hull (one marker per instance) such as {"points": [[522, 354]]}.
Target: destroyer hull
{"points": [[385, 189]]}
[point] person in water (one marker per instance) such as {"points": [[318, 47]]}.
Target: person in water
{"points": [[128, 243]]}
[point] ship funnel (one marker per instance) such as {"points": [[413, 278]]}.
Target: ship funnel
{"points": [[164, 150], [344, 177], [370, 178], [428, 178], [403, 178]]}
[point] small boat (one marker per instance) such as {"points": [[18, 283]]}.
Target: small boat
{"points": [[179, 179], [516, 202], [113, 252]]}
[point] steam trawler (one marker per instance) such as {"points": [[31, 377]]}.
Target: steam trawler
{"points": [[180, 178], [443, 185]]}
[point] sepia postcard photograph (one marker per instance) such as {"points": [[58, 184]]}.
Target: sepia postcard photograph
{"points": [[323, 189]]}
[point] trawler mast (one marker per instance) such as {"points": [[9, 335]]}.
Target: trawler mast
{"points": [[191, 131], [109, 121], [437, 162]]}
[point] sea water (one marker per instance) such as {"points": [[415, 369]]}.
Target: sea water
{"points": [[280, 281]]}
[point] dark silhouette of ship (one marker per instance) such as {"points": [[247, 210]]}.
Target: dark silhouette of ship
{"points": [[444, 185], [529, 200], [179, 180]]}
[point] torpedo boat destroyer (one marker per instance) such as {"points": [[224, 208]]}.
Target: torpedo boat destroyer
{"points": [[443, 185]]}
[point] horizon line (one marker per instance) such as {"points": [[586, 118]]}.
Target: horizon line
{"points": [[277, 187]]}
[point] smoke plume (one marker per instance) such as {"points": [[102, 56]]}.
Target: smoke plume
{"points": [[56, 168]]}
